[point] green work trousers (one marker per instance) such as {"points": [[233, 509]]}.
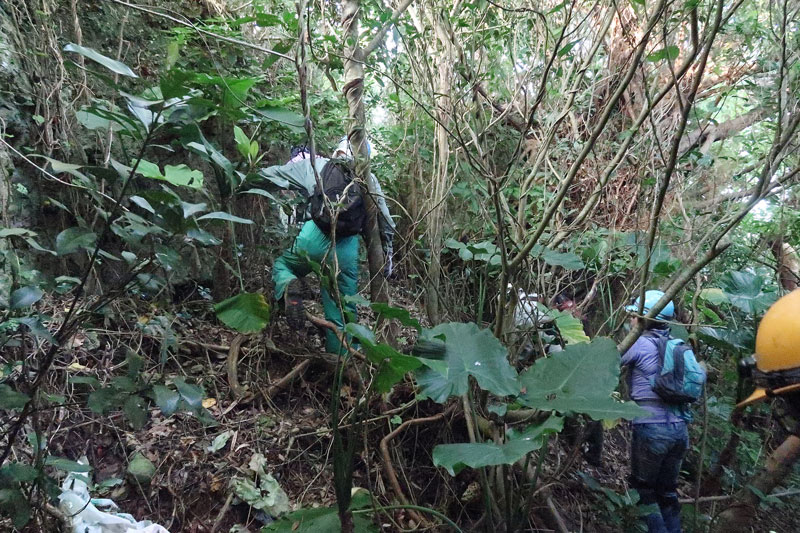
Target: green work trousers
{"points": [[313, 245]]}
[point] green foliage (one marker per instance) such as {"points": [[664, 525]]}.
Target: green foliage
{"points": [[746, 292], [141, 468], [670, 52], [622, 510], [12, 400], [74, 239], [13, 502], [67, 465], [392, 365], [111, 64], [130, 394], [219, 114], [219, 215], [468, 351], [579, 380], [455, 457], [25, 297], [325, 519], [569, 327], [245, 312], [264, 493], [179, 175], [566, 260], [401, 315]]}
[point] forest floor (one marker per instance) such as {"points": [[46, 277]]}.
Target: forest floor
{"points": [[191, 488]]}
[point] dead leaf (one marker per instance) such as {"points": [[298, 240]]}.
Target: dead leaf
{"points": [[208, 403], [217, 484], [76, 341]]}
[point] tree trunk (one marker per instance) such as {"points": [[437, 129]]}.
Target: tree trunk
{"points": [[739, 516], [788, 263], [354, 91], [439, 186]]}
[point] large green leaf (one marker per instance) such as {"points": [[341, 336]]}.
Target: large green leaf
{"points": [[468, 351], [454, 457], [571, 328], [578, 380], [567, 260], [73, 239], [726, 339], [191, 394], [246, 312], [16, 232], [392, 365], [745, 291], [484, 252], [134, 409], [179, 175], [19, 472], [670, 52], [94, 55], [25, 297], [66, 465], [141, 468], [166, 399], [295, 122], [714, 296], [402, 315]]}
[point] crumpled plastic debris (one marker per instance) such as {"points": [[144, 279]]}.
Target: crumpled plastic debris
{"points": [[529, 312], [97, 515]]}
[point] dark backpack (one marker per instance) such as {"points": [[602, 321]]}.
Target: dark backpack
{"points": [[680, 378], [345, 198]]}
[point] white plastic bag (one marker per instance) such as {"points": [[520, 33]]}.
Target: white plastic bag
{"points": [[85, 514], [529, 311]]}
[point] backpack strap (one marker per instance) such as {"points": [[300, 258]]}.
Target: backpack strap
{"points": [[661, 344], [679, 361]]}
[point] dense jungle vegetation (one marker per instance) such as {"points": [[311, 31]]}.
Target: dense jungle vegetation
{"points": [[582, 151]]}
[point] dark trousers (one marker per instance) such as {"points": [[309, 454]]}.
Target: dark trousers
{"points": [[657, 451]]}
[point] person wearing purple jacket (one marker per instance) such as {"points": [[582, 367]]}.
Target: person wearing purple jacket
{"points": [[660, 438]]}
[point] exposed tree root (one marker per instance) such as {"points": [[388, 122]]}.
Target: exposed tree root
{"points": [[286, 380], [387, 458], [237, 390]]}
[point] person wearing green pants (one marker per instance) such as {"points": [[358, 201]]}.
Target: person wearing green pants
{"points": [[314, 245]]}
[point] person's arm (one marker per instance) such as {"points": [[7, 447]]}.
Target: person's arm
{"points": [[385, 223], [386, 226], [634, 352]]}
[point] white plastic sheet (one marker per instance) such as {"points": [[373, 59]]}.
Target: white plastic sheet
{"points": [[529, 311], [97, 515]]}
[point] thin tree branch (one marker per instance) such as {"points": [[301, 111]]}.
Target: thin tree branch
{"points": [[376, 41], [204, 32]]}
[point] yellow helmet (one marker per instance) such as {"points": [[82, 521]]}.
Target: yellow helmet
{"points": [[778, 339], [778, 345]]}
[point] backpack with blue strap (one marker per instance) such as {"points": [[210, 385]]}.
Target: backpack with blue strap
{"points": [[681, 379]]}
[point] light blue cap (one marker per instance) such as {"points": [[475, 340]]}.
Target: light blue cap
{"points": [[650, 299]]}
